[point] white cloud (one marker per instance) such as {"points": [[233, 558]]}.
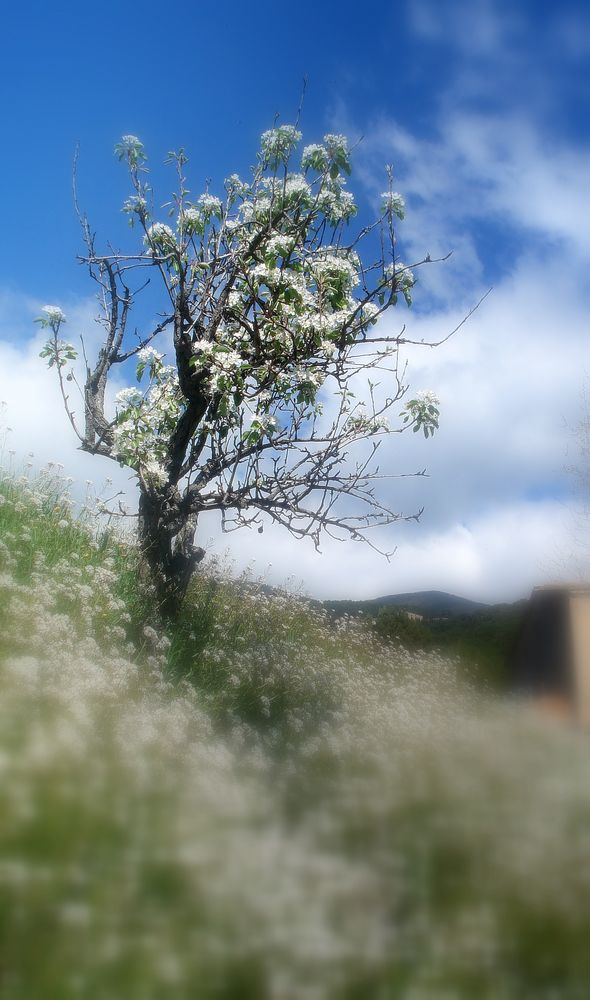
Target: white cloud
{"points": [[480, 28], [488, 184], [499, 556]]}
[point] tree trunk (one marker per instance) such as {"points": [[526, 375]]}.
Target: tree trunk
{"points": [[170, 556]]}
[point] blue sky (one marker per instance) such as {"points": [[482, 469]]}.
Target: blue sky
{"points": [[483, 109]]}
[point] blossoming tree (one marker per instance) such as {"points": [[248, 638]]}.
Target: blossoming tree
{"points": [[269, 312]]}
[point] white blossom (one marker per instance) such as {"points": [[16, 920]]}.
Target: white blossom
{"points": [[210, 205], [280, 245], [335, 267], [203, 345], [127, 397], [149, 355], [370, 311], [54, 314], [404, 277], [191, 221], [160, 237], [131, 148], [277, 144], [314, 156], [328, 347], [393, 203], [338, 205], [336, 144], [136, 205], [131, 141], [154, 472], [428, 397], [235, 187]]}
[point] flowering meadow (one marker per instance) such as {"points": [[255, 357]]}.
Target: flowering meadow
{"points": [[263, 804]]}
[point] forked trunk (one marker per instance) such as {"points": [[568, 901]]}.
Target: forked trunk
{"points": [[167, 545]]}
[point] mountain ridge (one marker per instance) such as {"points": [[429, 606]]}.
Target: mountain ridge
{"points": [[429, 603]]}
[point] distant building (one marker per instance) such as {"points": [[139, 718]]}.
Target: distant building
{"points": [[412, 615], [551, 657]]}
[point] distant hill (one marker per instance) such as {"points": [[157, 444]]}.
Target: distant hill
{"points": [[482, 635], [430, 603]]}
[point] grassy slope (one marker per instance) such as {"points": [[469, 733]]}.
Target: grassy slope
{"points": [[263, 804]]}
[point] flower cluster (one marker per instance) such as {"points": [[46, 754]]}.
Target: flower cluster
{"points": [[422, 412], [131, 149], [235, 187], [160, 239], [54, 317], [315, 157], [361, 423], [336, 273], [150, 359], [277, 144], [136, 206], [145, 421], [402, 280], [393, 204], [337, 204], [210, 205], [191, 222]]}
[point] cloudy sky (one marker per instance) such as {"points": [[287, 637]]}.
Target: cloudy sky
{"points": [[481, 106]]}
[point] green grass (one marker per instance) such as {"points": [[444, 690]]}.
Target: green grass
{"points": [[262, 804]]}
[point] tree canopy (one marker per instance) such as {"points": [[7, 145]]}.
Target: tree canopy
{"points": [[270, 370]]}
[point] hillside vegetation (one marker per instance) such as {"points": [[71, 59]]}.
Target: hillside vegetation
{"points": [[481, 636], [263, 804]]}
